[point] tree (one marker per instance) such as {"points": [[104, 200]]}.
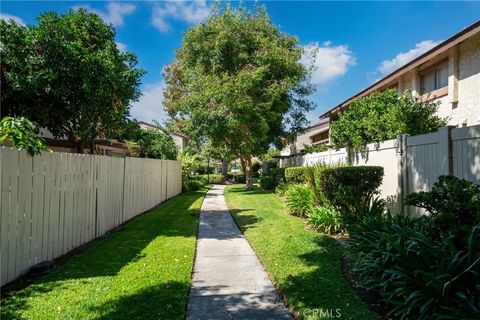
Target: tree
{"points": [[237, 80], [157, 144], [67, 74], [21, 134], [382, 116]]}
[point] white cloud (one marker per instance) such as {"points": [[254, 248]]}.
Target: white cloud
{"points": [[121, 46], [8, 17], [149, 107], [190, 12], [326, 62], [115, 14], [388, 66]]}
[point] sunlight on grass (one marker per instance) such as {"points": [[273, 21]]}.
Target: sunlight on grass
{"points": [[141, 272], [304, 264]]}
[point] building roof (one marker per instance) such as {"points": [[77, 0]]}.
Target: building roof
{"points": [[157, 127], [441, 48], [319, 124]]}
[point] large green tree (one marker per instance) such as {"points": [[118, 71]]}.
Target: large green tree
{"points": [[67, 74], [237, 80], [382, 116]]}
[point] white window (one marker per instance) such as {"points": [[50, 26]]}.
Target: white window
{"points": [[434, 79]]}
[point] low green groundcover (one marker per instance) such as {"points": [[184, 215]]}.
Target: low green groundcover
{"points": [[142, 272], [304, 264]]}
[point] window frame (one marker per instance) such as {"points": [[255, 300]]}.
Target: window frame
{"points": [[437, 92]]}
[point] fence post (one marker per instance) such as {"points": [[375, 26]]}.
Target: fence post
{"points": [[402, 170], [445, 151]]}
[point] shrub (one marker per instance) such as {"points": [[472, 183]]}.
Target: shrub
{"points": [[299, 199], [315, 148], [256, 168], [236, 177], [267, 182], [296, 175], [194, 183], [325, 219], [417, 277], [212, 178], [281, 189], [453, 204], [350, 188], [272, 177]]}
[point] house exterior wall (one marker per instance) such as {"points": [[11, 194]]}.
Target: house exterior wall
{"points": [[296, 145], [461, 105]]}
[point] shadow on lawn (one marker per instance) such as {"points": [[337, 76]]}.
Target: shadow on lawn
{"points": [[245, 221], [324, 288], [254, 191], [110, 254], [165, 301]]}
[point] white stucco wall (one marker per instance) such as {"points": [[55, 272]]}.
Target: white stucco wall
{"points": [[464, 107]]}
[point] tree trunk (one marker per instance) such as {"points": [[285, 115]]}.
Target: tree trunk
{"points": [[225, 170], [248, 172], [92, 147]]}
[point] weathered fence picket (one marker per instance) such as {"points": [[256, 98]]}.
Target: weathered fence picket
{"points": [[55, 202]]}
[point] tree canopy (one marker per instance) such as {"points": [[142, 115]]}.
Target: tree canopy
{"points": [[383, 116], [237, 81], [67, 74]]}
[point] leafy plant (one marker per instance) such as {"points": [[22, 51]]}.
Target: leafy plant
{"points": [[21, 133], [281, 189], [299, 199], [325, 219], [296, 174], [384, 115], [157, 144], [416, 276], [453, 204], [266, 182], [315, 148], [272, 177], [350, 189]]}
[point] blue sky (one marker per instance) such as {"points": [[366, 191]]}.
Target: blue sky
{"points": [[357, 42]]}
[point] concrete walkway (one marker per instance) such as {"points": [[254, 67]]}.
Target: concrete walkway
{"points": [[228, 280]]}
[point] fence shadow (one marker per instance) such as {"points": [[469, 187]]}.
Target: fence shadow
{"points": [[112, 253]]}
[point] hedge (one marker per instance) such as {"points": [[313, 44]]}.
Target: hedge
{"points": [[296, 174], [350, 188]]}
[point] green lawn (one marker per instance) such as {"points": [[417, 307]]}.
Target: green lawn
{"points": [[304, 264], [142, 272]]}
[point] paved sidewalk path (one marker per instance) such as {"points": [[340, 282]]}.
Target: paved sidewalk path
{"points": [[228, 280]]}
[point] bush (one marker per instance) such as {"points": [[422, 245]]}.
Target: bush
{"points": [[194, 183], [350, 188], [204, 168], [267, 182], [299, 199], [453, 204], [296, 175], [325, 219], [256, 168], [415, 276], [236, 177], [281, 189], [315, 148], [272, 177], [212, 178]]}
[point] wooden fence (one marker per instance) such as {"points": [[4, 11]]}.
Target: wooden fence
{"points": [[411, 163], [55, 202]]}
